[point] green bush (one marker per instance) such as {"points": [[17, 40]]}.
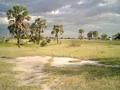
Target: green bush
{"points": [[48, 40], [43, 43]]}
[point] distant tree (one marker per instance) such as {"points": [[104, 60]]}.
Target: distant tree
{"points": [[104, 36], [18, 26], [116, 36], [37, 28], [57, 30], [81, 31], [95, 34], [90, 35]]}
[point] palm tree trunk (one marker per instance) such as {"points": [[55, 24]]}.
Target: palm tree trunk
{"points": [[81, 36], [57, 39], [39, 38], [18, 41]]}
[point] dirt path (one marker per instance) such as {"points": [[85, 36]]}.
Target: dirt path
{"points": [[30, 69]]}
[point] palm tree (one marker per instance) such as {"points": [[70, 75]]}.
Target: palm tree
{"points": [[90, 35], [57, 29], [95, 34], [81, 31], [17, 17], [37, 28], [116, 36], [104, 36]]}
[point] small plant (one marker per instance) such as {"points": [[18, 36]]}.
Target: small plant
{"points": [[7, 40], [43, 43], [48, 40]]}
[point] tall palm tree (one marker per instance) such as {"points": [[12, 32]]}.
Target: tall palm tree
{"points": [[37, 28], [95, 34], [104, 36], [90, 35], [17, 17], [81, 31], [57, 29]]}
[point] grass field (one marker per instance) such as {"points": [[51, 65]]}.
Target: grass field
{"points": [[104, 51], [77, 78]]}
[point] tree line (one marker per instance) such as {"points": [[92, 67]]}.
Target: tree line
{"points": [[92, 35], [19, 27], [95, 35]]}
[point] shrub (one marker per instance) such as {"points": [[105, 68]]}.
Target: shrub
{"points": [[48, 40], [116, 36], [7, 40], [43, 43]]}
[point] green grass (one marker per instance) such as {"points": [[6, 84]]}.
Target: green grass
{"points": [[7, 79], [104, 51], [85, 78], [77, 78]]}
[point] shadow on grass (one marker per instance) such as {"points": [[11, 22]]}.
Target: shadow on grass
{"points": [[108, 61], [5, 57], [88, 71]]}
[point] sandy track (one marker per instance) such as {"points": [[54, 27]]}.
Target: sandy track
{"points": [[30, 69]]}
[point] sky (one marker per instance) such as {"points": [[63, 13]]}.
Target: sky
{"points": [[90, 15]]}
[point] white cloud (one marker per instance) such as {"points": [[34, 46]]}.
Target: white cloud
{"points": [[34, 17], [102, 4], [60, 11], [107, 15], [110, 1], [107, 2], [91, 27], [55, 12], [3, 20], [80, 2], [66, 7]]}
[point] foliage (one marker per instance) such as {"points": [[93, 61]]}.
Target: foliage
{"points": [[81, 31], [18, 26], [57, 29], [90, 35], [48, 40], [116, 36], [43, 43], [104, 36], [37, 28], [95, 34]]}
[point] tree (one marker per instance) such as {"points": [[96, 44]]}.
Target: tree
{"points": [[37, 28], [18, 26], [81, 31], [90, 35], [116, 36], [57, 29], [104, 36], [95, 34]]}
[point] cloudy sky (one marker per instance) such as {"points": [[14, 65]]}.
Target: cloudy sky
{"points": [[100, 15]]}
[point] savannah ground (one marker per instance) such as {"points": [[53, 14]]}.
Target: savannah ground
{"points": [[88, 77]]}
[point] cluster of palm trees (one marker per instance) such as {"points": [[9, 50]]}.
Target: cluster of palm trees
{"points": [[90, 34], [56, 30], [19, 26], [95, 35]]}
